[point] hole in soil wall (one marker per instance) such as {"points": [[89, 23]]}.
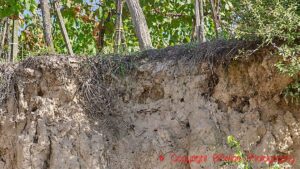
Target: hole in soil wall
{"points": [[34, 109], [187, 125], [40, 93], [182, 100]]}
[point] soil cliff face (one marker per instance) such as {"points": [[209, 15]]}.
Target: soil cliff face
{"points": [[156, 111]]}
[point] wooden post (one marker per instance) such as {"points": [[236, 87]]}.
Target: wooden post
{"points": [[63, 28]]}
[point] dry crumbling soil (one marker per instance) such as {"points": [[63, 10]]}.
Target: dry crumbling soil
{"points": [[155, 109]]}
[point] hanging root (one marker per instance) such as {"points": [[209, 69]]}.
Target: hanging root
{"points": [[100, 95], [7, 75]]}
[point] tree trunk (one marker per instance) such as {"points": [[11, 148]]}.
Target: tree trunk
{"points": [[199, 21], [216, 16], [101, 29], [119, 26], [3, 33], [2, 29], [8, 41], [47, 24], [15, 40], [193, 34], [63, 28], [123, 40], [140, 24]]}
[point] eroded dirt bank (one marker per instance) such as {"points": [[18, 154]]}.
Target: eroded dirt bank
{"points": [[62, 112]]}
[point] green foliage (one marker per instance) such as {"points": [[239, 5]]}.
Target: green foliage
{"points": [[292, 92], [15, 7], [276, 166], [290, 65], [80, 35], [269, 20], [243, 163], [170, 21], [291, 61], [273, 21]]}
